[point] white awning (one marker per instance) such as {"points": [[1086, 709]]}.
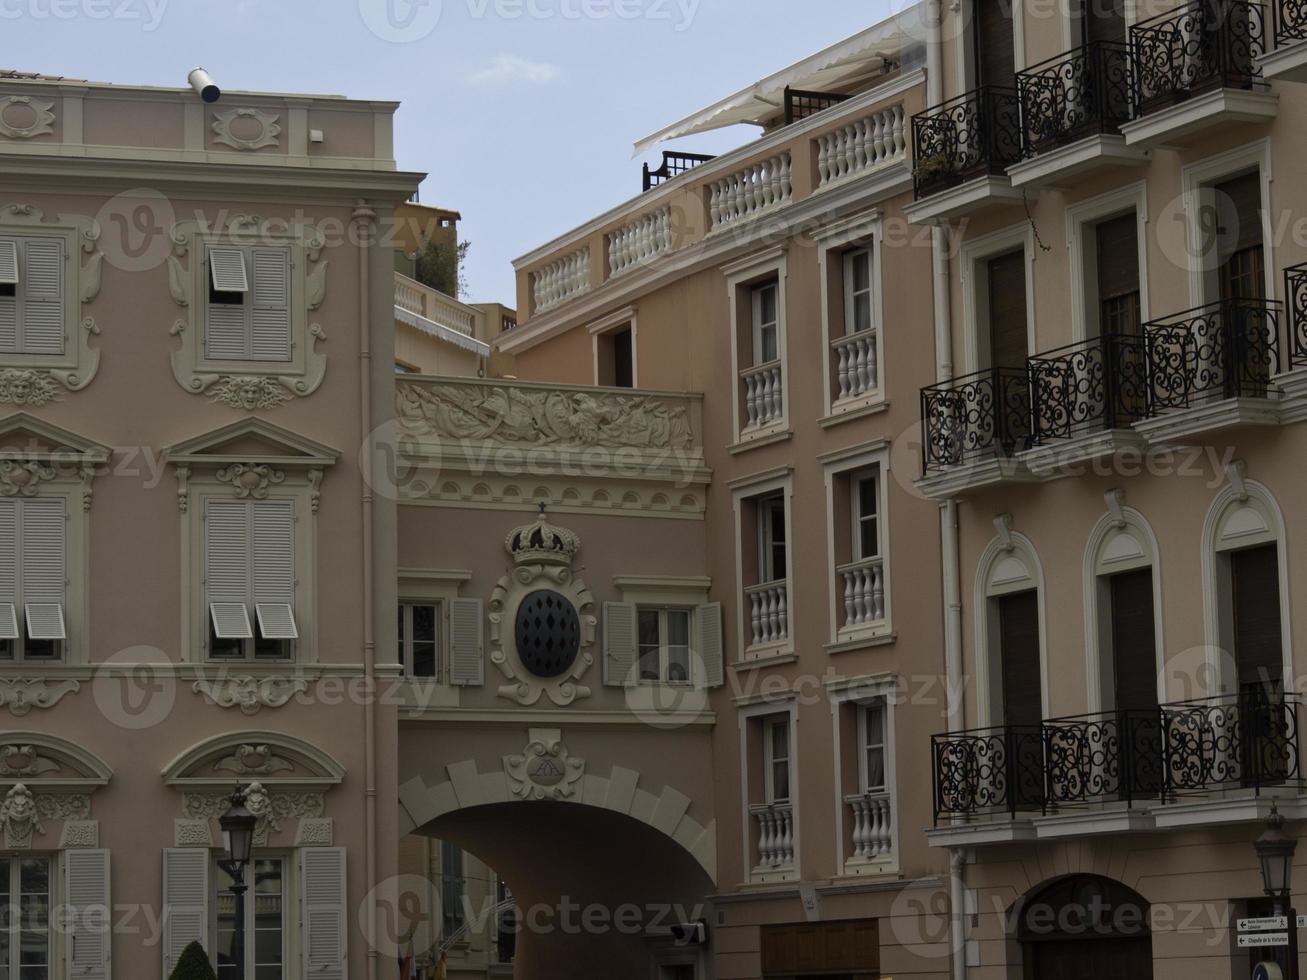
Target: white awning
{"points": [[859, 57], [442, 332]]}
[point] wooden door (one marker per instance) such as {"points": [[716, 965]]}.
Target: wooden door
{"points": [[994, 43], [1008, 346]]}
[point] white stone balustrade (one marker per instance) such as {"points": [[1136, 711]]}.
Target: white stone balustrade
{"points": [[856, 367], [873, 836], [764, 395], [861, 145], [775, 836], [431, 304], [864, 592], [561, 280], [769, 612], [751, 191], [641, 241], [408, 295]]}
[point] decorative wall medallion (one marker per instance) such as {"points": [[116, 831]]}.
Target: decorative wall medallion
{"points": [[23, 386], [251, 694], [246, 129], [251, 480], [541, 624], [271, 808], [249, 394], [19, 818], [22, 478], [22, 117], [254, 760], [192, 833], [21, 694], [24, 761], [315, 832], [80, 833], [545, 771]]}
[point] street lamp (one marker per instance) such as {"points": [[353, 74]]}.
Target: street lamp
{"points": [[1275, 855], [238, 841]]}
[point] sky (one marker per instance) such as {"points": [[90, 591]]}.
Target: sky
{"points": [[522, 112]]}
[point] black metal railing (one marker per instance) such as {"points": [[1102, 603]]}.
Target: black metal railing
{"points": [[1237, 741], [1227, 349], [1096, 384], [673, 165], [988, 771], [1295, 301], [800, 104], [972, 135], [1085, 92], [1290, 18], [1116, 755], [1203, 45], [986, 413]]}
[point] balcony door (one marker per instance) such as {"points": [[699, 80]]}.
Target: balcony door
{"points": [[1103, 20], [995, 48], [1241, 273], [1006, 282], [1022, 697], [1134, 681], [1255, 621], [1116, 249]]}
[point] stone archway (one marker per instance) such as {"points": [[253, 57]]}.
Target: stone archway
{"points": [[1084, 926]]}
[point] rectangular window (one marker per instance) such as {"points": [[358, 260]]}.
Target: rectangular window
{"points": [[777, 733], [419, 638], [1239, 228], [766, 324], [451, 890], [247, 317], [871, 745], [1006, 280], [866, 516], [32, 579], [1117, 253], [249, 578], [32, 296], [265, 921], [857, 291], [25, 938], [664, 638], [771, 539]]}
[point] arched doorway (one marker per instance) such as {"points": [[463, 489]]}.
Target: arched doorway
{"points": [[1085, 927]]}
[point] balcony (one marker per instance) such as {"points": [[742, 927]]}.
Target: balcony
{"points": [[438, 315], [1196, 69], [769, 614], [763, 390], [872, 821], [774, 824], [1288, 61], [864, 594], [1202, 761], [855, 360], [973, 425], [1072, 109], [961, 150]]}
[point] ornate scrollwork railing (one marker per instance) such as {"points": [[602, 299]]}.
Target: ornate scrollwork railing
{"points": [[1104, 757], [1290, 21], [1203, 45], [1085, 92], [1295, 300], [969, 136], [988, 771], [976, 415], [1237, 741], [1097, 384], [1227, 349]]}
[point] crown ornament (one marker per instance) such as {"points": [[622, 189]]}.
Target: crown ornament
{"points": [[542, 543]]}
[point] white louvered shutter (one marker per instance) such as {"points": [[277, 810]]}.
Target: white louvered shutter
{"points": [[225, 335], [8, 262], [227, 574], [42, 292], [273, 546], [466, 663], [86, 884], [619, 644], [9, 598], [227, 270], [185, 902], [41, 566], [322, 887], [270, 323], [708, 634], [9, 304]]}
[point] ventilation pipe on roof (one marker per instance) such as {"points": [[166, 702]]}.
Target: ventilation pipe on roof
{"points": [[204, 85]]}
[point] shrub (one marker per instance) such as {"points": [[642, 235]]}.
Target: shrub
{"points": [[193, 964]]}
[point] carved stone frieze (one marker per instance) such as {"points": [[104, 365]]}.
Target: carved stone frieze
{"points": [[545, 770], [261, 128], [27, 386], [23, 478], [25, 761], [250, 694], [271, 808], [254, 760], [80, 833], [251, 480], [21, 694], [22, 117]]}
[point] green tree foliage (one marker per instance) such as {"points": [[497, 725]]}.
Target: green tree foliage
{"points": [[193, 965], [440, 266]]}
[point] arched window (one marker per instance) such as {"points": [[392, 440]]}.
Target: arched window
{"points": [[1010, 649]]}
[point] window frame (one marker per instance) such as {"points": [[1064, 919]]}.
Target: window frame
{"points": [[767, 505], [770, 265], [851, 292], [289, 902], [21, 297], [406, 639], [779, 723], [601, 333], [18, 645], [846, 467], [744, 492], [459, 918], [760, 327], [854, 694], [247, 304], [862, 232], [664, 612], [858, 519], [54, 965], [975, 255], [1082, 220], [865, 745]]}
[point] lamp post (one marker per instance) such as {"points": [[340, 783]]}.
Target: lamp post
{"points": [[1275, 855], [238, 842]]}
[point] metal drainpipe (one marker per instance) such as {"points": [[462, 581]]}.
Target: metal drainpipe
{"points": [[948, 515], [364, 217]]}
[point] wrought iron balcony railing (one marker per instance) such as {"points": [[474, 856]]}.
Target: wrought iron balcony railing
{"points": [[972, 135], [1240, 742], [1097, 384], [673, 165], [1200, 46], [1290, 18], [981, 414], [1227, 349], [1295, 298], [1085, 92]]}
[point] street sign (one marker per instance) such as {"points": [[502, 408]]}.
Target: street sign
{"points": [[1269, 923], [1302, 922], [1263, 939]]}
